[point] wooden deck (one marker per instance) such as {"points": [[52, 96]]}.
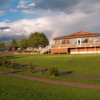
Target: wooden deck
{"points": [[76, 46]]}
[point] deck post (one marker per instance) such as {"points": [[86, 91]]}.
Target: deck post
{"points": [[85, 48], [95, 48], [67, 49]]}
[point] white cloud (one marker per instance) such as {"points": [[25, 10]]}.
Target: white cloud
{"points": [[25, 4], [63, 24], [83, 16]]}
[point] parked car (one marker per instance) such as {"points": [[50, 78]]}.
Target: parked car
{"points": [[2, 49]]}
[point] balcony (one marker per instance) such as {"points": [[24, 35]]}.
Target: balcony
{"points": [[96, 44]]}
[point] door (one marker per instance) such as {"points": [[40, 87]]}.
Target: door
{"points": [[79, 41]]}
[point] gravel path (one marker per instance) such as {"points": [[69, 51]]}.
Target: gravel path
{"points": [[65, 83]]}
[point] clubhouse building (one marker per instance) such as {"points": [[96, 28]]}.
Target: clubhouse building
{"points": [[77, 43]]}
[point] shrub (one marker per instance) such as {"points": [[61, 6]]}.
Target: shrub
{"points": [[4, 62], [14, 65], [53, 71], [20, 51], [9, 63], [31, 67]]}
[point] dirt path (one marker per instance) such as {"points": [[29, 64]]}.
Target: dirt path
{"points": [[6, 53], [65, 83]]}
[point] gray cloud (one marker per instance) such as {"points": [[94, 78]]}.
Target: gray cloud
{"points": [[55, 4], [62, 17], [44, 5], [4, 3], [61, 24], [4, 28], [67, 6]]}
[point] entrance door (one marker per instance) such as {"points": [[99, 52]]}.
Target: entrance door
{"points": [[79, 42]]}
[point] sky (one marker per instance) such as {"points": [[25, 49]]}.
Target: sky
{"points": [[53, 17]]}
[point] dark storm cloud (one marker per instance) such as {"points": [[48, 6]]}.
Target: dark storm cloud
{"points": [[67, 6], [4, 28], [60, 4], [55, 4], [10, 37]]}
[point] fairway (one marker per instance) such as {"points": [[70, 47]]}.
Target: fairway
{"points": [[13, 88], [88, 64]]}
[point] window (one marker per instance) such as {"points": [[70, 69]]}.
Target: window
{"points": [[56, 42], [79, 41], [73, 41], [84, 40], [91, 40], [96, 39], [62, 41]]}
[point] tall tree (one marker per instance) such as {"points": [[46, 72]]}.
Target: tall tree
{"points": [[36, 39], [13, 43], [2, 45], [23, 43]]}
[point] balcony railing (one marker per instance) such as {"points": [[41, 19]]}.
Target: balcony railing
{"points": [[96, 44]]}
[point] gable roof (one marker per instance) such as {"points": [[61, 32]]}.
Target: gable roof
{"points": [[79, 35]]}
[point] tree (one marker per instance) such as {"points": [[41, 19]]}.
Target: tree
{"points": [[36, 39], [2, 45], [23, 43], [13, 43]]}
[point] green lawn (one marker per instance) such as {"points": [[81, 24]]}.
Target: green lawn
{"points": [[12, 88], [81, 64], [46, 75], [2, 51]]}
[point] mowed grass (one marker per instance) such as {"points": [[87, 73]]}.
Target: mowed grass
{"points": [[47, 75], [13, 88], [2, 52], [81, 64]]}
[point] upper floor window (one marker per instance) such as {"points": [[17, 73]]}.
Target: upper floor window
{"points": [[84, 40], [73, 41], [91, 40], [56, 42], [62, 41], [96, 39]]}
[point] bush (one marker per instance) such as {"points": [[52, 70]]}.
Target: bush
{"points": [[14, 65], [20, 51], [53, 71], [4, 62], [8, 63], [31, 67]]}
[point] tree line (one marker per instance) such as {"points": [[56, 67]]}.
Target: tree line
{"points": [[34, 40]]}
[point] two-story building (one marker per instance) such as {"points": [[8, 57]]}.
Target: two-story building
{"points": [[77, 43]]}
